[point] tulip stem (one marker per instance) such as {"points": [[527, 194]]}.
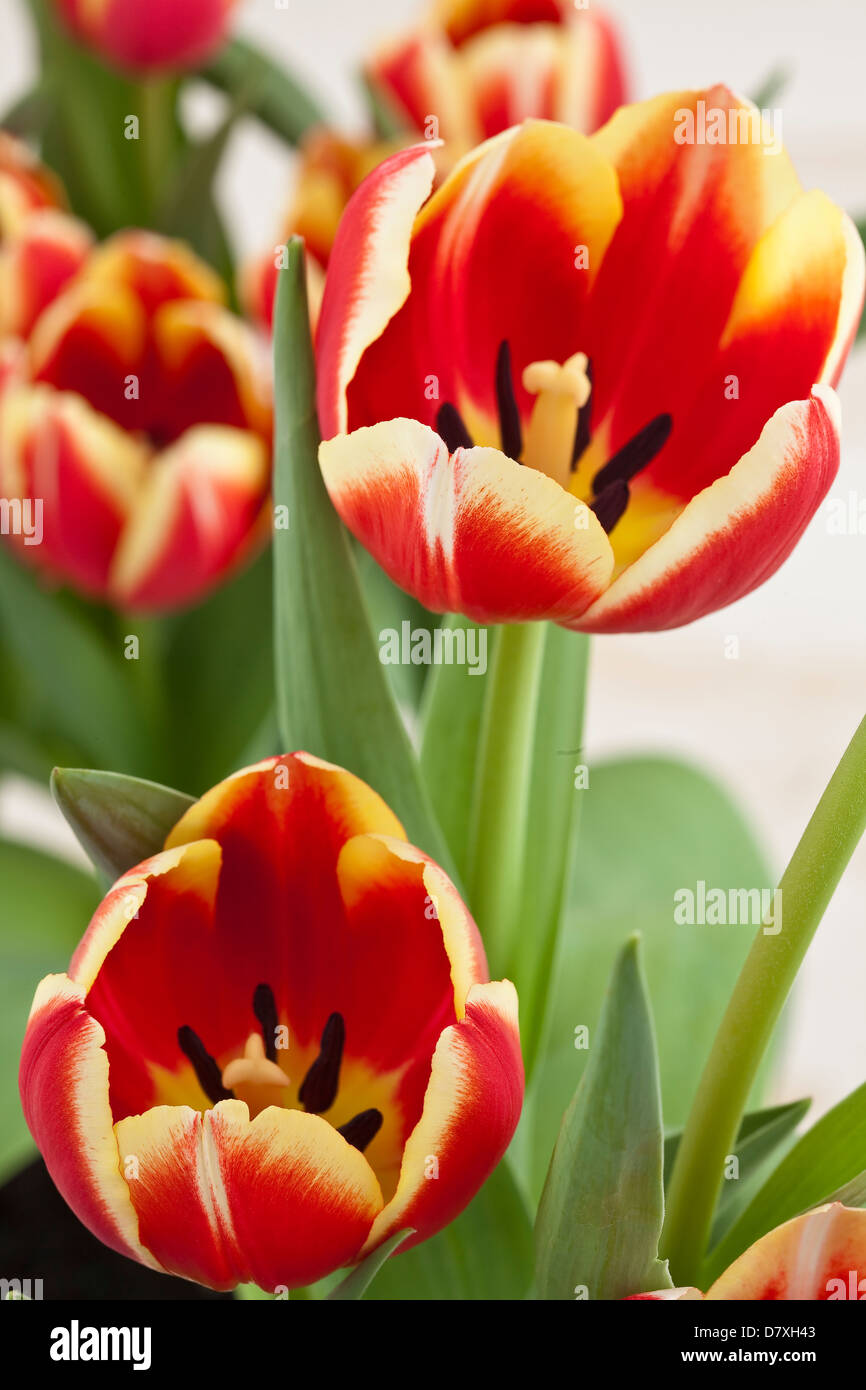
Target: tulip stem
{"points": [[764, 983], [502, 780]]}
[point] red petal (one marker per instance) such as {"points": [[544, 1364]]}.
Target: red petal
{"points": [[734, 534], [471, 1109], [280, 1201], [64, 1093], [475, 533]]}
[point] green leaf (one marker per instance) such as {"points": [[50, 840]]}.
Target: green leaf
{"points": [[28, 115], [45, 906], [772, 87], [602, 1207], [389, 608], [188, 210], [450, 728], [76, 686], [355, 1285], [552, 837], [486, 1254], [333, 697], [112, 181], [649, 827], [828, 1156], [276, 97], [762, 1134], [119, 821], [214, 716]]}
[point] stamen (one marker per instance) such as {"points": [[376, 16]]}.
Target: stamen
{"points": [[636, 454], [204, 1066], [450, 427], [583, 433], [510, 433], [610, 504], [265, 1010], [319, 1086], [362, 1129]]}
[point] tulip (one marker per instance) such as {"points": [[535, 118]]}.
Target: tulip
{"points": [[330, 169], [590, 378], [482, 66], [151, 37], [140, 419], [277, 1045], [41, 247], [818, 1257]]}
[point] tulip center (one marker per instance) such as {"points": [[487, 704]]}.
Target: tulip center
{"points": [[558, 438], [258, 1080]]}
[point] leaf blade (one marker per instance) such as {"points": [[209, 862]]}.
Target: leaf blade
{"points": [[601, 1211]]}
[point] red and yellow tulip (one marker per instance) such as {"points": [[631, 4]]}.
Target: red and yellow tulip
{"points": [[151, 36], [331, 167], [139, 416], [480, 66], [818, 1257], [590, 378], [41, 246], [277, 1044]]}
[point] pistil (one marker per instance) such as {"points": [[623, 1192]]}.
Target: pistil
{"points": [[254, 1078], [562, 390]]}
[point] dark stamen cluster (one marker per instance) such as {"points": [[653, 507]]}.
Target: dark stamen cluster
{"points": [[319, 1087], [610, 486]]}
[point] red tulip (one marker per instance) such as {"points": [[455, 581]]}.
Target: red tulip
{"points": [[482, 66], [276, 1045], [141, 421], [151, 36], [41, 247], [589, 379], [818, 1257]]}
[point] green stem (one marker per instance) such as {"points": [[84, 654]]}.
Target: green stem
{"points": [[765, 980], [502, 782]]}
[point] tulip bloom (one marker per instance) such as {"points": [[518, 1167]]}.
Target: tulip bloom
{"points": [[480, 66], [140, 418], [818, 1257], [589, 379], [276, 1045], [41, 247], [330, 169], [152, 36]]}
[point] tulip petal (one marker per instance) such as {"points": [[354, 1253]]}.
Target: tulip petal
{"points": [[473, 533], [64, 1094], [281, 826], [696, 201], [211, 370], [194, 519], [404, 913], [687, 1294], [36, 264], [368, 278], [156, 269], [471, 1108], [820, 1256], [281, 1200], [539, 197], [83, 469], [735, 533]]}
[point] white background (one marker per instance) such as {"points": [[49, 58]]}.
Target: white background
{"points": [[773, 723]]}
